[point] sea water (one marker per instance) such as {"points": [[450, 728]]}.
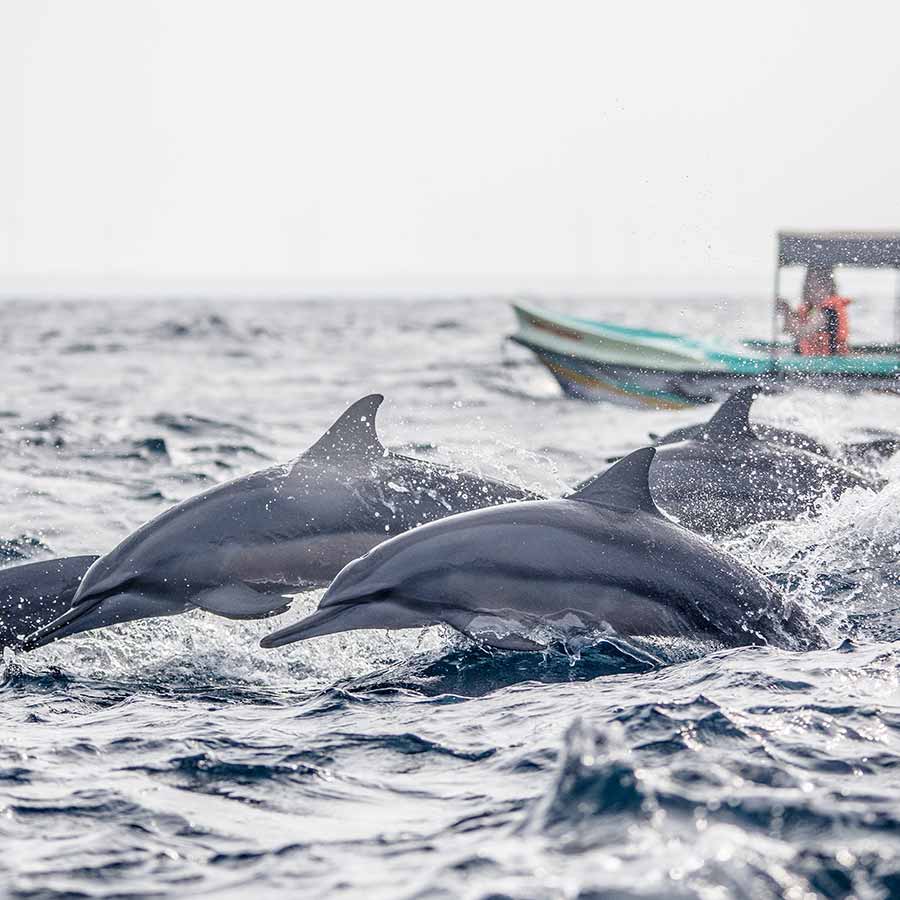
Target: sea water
{"points": [[174, 757]]}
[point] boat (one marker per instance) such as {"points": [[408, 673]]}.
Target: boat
{"points": [[640, 367]]}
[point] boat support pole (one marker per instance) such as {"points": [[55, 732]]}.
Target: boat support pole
{"points": [[897, 306], [776, 291]]}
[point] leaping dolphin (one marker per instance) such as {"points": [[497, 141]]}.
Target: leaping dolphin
{"points": [[34, 594], [239, 548], [604, 557], [727, 477]]}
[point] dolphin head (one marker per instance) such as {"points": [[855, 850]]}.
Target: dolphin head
{"points": [[118, 587], [363, 595], [361, 579]]}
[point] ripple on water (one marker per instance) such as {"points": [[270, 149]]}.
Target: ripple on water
{"points": [[174, 757]]}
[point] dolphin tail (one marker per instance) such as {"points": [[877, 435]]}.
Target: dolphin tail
{"points": [[91, 615], [378, 614]]}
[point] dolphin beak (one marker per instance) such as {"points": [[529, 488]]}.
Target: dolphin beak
{"points": [[350, 608], [332, 611], [87, 616], [354, 599], [313, 625], [78, 618]]}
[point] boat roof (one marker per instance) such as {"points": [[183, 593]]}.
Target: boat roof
{"points": [[866, 249]]}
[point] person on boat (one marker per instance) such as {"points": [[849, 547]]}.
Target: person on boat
{"points": [[820, 325]]}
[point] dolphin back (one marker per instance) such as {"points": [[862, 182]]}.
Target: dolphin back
{"points": [[605, 557], [241, 548]]}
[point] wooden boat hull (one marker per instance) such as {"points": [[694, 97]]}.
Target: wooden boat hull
{"points": [[598, 361]]}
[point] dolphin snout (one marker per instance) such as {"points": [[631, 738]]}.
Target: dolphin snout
{"points": [[88, 596], [83, 617], [103, 598], [99, 611], [353, 600]]}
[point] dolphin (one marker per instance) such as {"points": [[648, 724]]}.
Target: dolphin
{"points": [[770, 433], [604, 557], [874, 450], [883, 446], [728, 477], [241, 548], [33, 595]]}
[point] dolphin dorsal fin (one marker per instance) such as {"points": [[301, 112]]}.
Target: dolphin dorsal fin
{"points": [[353, 434], [625, 485], [732, 420]]}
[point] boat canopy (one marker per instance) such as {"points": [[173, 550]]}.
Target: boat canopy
{"points": [[866, 249], [862, 249]]}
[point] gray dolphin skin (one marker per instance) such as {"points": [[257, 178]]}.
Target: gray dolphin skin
{"points": [[34, 594], [764, 432], [605, 557], [236, 550], [881, 447], [727, 477], [874, 449]]}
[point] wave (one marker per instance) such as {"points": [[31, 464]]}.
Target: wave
{"points": [[22, 547], [843, 564]]}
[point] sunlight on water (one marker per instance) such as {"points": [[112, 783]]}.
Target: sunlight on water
{"points": [[198, 648], [173, 756]]}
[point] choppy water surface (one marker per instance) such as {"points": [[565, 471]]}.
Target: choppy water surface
{"points": [[175, 757]]}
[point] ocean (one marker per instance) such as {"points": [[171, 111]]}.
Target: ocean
{"points": [[175, 758]]}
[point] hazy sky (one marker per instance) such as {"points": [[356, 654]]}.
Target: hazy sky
{"points": [[437, 147]]}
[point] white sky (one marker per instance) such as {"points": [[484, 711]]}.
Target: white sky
{"points": [[437, 147]]}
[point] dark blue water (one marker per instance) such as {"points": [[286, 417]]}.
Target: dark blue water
{"points": [[174, 757]]}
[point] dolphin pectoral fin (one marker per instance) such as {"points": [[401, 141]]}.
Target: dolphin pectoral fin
{"points": [[490, 631], [239, 601], [377, 614]]}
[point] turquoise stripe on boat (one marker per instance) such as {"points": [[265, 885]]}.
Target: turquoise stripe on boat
{"points": [[743, 365], [840, 365], [740, 363], [628, 331], [754, 363]]}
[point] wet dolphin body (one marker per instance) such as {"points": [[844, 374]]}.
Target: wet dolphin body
{"points": [[883, 446], [33, 595], [873, 450], [770, 433], [602, 557], [236, 550], [728, 477]]}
